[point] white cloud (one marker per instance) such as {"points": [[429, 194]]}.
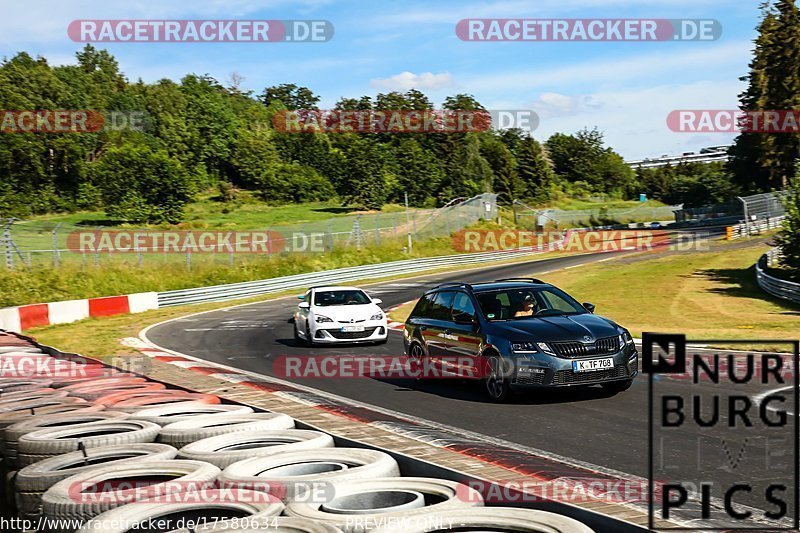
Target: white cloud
{"points": [[408, 80]]}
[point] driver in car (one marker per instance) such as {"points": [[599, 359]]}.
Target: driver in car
{"points": [[526, 306]]}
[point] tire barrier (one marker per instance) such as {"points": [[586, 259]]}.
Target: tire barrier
{"points": [[41, 444], [12, 417], [224, 450], [170, 397], [34, 480], [375, 501], [288, 473], [12, 433], [90, 446], [489, 519], [92, 392], [253, 507], [178, 413], [105, 487], [180, 434]]}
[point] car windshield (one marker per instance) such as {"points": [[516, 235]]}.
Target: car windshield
{"points": [[343, 297], [527, 303]]}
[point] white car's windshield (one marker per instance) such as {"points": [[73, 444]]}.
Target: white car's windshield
{"points": [[343, 297]]}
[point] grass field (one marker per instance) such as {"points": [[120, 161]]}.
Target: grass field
{"points": [[706, 295]]}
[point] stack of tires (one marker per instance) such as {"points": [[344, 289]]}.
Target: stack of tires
{"points": [[117, 453]]}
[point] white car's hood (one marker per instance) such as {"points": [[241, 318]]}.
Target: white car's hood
{"points": [[345, 313]]}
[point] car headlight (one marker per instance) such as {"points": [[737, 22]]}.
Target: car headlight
{"points": [[377, 316], [625, 338], [530, 347], [320, 318]]}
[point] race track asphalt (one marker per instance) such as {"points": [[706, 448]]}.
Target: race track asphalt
{"points": [[585, 424]]}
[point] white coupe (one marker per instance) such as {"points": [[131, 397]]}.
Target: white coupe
{"points": [[333, 314]]}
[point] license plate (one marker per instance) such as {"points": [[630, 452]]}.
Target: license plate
{"points": [[352, 329], [593, 365]]}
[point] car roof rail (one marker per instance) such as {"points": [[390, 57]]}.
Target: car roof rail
{"points": [[454, 284], [528, 280]]}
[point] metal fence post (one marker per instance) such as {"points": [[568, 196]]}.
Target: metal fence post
{"points": [[56, 251], [7, 241], [330, 234], [357, 231], [377, 229]]}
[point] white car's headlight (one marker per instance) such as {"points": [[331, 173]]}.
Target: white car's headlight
{"points": [[377, 316], [320, 318]]}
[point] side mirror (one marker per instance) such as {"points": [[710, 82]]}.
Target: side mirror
{"points": [[304, 305], [464, 319], [589, 307], [377, 301], [301, 296]]}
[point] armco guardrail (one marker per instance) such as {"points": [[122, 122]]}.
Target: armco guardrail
{"points": [[219, 293], [780, 288], [744, 229]]}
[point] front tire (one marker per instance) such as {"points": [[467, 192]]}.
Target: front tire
{"points": [[308, 340], [615, 387], [496, 382]]}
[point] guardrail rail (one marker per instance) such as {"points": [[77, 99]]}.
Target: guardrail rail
{"points": [[780, 288]]}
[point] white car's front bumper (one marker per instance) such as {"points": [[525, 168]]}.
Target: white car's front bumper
{"points": [[327, 332]]}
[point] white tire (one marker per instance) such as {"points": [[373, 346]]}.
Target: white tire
{"points": [[179, 434], [286, 474], [214, 506], [33, 480], [12, 417], [178, 413], [488, 519], [39, 403], [76, 498], [12, 433], [374, 501], [22, 384], [91, 392], [224, 450], [104, 383], [279, 524], [44, 443], [169, 397]]}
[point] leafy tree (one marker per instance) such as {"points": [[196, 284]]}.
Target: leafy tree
{"points": [[583, 157], [139, 184], [419, 173], [789, 238], [364, 180], [534, 170], [291, 95], [468, 173]]}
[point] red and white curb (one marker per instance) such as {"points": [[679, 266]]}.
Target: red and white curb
{"points": [[19, 319]]}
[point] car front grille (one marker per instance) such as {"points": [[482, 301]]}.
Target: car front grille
{"points": [[337, 334], [529, 379], [572, 350], [568, 377]]}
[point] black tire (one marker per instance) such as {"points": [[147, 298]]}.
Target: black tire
{"points": [[416, 359], [297, 339], [615, 387], [309, 339], [496, 383]]}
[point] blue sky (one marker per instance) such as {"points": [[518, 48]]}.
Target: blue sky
{"points": [[624, 89]]}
